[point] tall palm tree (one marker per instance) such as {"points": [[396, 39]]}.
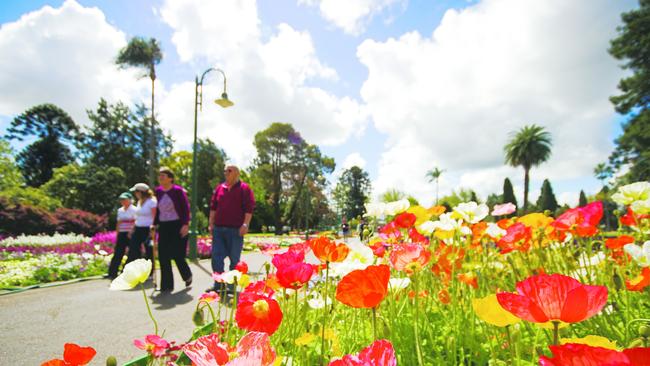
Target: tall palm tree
{"points": [[145, 54], [434, 174], [528, 147]]}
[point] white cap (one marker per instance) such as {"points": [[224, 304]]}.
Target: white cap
{"points": [[140, 187]]}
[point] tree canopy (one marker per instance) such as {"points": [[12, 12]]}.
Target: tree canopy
{"points": [[352, 191]]}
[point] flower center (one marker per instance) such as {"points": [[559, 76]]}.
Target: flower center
{"points": [[260, 308]]}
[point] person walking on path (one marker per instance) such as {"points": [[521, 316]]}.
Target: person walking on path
{"points": [[124, 226], [145, 213], [173, 219], [231, 210]]}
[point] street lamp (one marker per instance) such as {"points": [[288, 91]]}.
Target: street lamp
{"points": [[224, 102]]}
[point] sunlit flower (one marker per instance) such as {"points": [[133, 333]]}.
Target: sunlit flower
{"points": [[209, 296], [640, 282], [446, 259], [242, 267], [555, 297], [580, 221], [287, 258], [73, 355], [427, 227], [639, 191], [379, 353], [377, 210], [409, 258], [258, 313], [295, 275], [641, 207], [517, 237], [489, 310], [444, 296], [254, 348], [471, 212], [641, 255], [316, 301], [494, 231], [327, 251], [618, 242], [364, 288], [396, 284], [393, 208], [591, 340], [469, 279], [227, 277], [207, 351], [405, 220], [504, 209], [153, 344], [134, 273], [360, 257], [581, 354]]}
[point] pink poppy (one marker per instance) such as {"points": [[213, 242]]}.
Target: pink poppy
{"points": [[504, 209]]}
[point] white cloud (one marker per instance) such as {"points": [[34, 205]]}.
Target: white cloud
{"points": [[351, 16], [354, 159], [63, 56], [450, 99], [267, 80]]}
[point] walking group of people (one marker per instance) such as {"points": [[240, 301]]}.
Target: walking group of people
{"points": [[165, 212]]}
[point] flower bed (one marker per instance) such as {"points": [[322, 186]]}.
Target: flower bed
{"points": [[435, 288]]}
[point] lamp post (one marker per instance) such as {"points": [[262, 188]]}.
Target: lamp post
{"points": [[224, 102]]}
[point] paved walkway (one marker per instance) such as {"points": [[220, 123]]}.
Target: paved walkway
{"points": [[35, 324]]}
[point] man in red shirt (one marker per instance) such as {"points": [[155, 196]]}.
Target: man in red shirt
{"points": [[231, 209]]}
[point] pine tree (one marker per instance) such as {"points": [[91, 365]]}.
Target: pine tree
{"points": [[508, 192], [546, 200], [583, 199]]}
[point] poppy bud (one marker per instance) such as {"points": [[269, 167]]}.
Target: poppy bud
{"points": [[111, 361], [197, 318], [618, 282], [267, 268], [644, 331]]}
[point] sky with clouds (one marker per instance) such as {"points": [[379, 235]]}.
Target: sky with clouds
{"points": [[396, 87]]}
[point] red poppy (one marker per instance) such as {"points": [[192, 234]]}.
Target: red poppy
{"points": [[444, 297], [469, 279], [409, 258], [287, 258], [242, 267], [478, 231], [327, 251], [379, 353], [378, 249], [259, 287], [364, 288], [295, 275], [640, 282], [299, 247], [632, 219], [447, 258], [258, 313], [405, 220], [580, 221], [517, 237], [390, 232], [619, 242], [254, 349], [207, 351], [416, 237], [73, 355], [555, 297], [573, 354]]}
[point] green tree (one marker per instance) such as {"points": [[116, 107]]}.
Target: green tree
{"points": [[51, 126], [10, 176], [392, 195], [211, 161], [287, 165], [434, 175], [88, 187], [582, 201], [546, 200], [602, 172], [460, 196], [508, 192], [528, 147], [144, 54], [355, 186], [180, 162], [632, 45]]}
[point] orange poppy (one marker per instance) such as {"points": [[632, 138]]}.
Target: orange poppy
{"points": [[364, 288], [444, 297], [639, 282], [327, 251], [73, 355], [469, 279]]}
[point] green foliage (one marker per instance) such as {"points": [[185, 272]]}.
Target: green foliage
{"points": [[633, 47], [210, 161], [180, 162], [392, 195], [10, 176], [287, 166], [89, 187], [460, 196], [142, 53], [508, 193], [528, 147], [546, 200], [582, 201], [352, 191], [31, 196], [120, 138]]}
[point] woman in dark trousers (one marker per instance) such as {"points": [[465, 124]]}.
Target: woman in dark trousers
{"points": [[124, 226], [145, 214], [172, 218]]}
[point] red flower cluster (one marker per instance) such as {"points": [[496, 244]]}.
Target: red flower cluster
{"points": [[252, 349], [555, 297], [517, 237], [580, 221], [379, 353], [632, 219], [572, 354], [409, 258]]}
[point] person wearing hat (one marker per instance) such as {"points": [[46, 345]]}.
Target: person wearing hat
{"points": [[173, 219], [145, 214], [125, 223]]}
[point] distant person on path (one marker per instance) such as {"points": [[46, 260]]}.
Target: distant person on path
{"points": [[144, 216], [345, 227], [173, 220], [123, 228], [231, 210], [361, 228]]}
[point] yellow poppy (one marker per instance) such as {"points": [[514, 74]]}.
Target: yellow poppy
{"points": [[489, 310], [591, 340]]}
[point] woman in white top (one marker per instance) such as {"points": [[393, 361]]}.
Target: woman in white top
{"points": [[123, 228], [146, 211]]}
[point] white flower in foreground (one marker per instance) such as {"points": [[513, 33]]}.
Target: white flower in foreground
{"points": [[134, 273], [360, 257], [397, 284], [393, 208], [472, 212], [426, 228], [640, 254], [641, 207], [494, 231], [375, 209], [316, 302], [639, 191], [227, 277]]}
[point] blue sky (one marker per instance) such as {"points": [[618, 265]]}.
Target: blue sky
{"points": [[385, 94]]}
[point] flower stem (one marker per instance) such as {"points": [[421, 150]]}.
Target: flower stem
{"points": [[511, 347], [322, 344], [374, 323], [416, 331], [155, 323], [556, 331]]}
